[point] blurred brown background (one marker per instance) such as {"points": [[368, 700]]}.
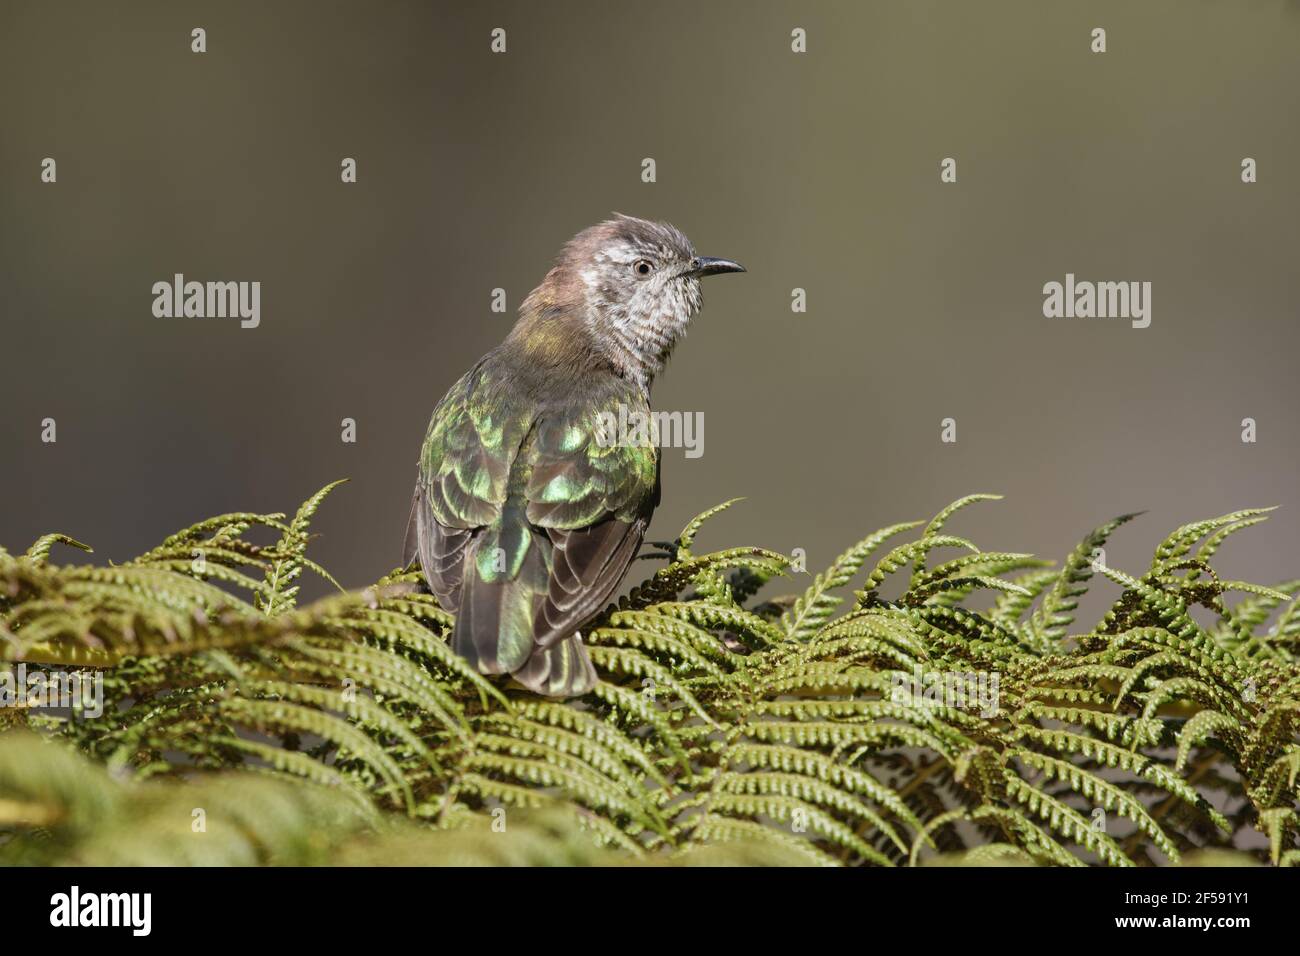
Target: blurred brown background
{"points": [[818, 171]]}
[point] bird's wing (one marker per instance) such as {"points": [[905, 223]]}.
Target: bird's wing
{"points": [[464, 468], [593, 497], [439, 549], [467, 454]]}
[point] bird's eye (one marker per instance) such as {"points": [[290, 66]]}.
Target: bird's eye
{"points": [[643, 267]]}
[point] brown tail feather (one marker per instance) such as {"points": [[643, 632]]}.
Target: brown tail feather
{"points": [[562, 670], [494, 626]]}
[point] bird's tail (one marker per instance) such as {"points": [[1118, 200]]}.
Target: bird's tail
{"points": [[506, 577], [562, 670]]}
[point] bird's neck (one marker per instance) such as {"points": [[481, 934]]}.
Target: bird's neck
{"points": [[641, 334], [559, 327], [639, 346]]}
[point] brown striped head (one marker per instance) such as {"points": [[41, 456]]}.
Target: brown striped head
{"points": [[632, 286]]}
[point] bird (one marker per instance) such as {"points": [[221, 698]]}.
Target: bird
{"points": [[528, 508]]}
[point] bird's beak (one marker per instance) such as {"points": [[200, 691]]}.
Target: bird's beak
{"points": [[709, 266]]}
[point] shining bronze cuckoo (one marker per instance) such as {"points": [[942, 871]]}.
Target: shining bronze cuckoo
{"points": [[527, 509]]}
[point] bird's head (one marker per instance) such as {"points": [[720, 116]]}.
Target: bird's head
{"points": [[634, 285]]}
